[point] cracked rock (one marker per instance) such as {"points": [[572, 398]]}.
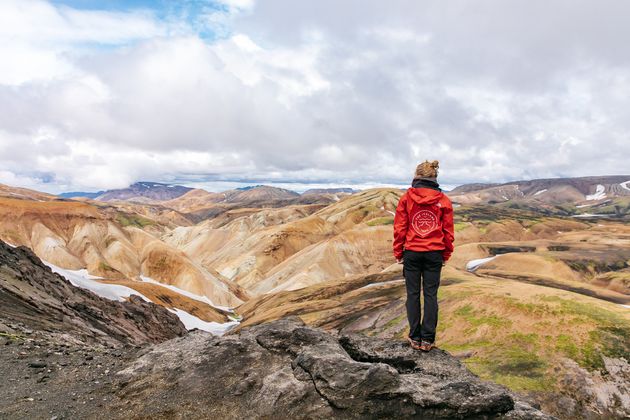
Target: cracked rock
{"points": [[285, 369]]}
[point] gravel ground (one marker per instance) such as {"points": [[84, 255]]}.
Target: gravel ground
{"points": [[43, 377]]}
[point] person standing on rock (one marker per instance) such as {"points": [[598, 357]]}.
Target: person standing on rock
{"points": [[423, 242]]}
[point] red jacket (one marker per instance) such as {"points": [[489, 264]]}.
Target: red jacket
{"points": [[424, 222]]}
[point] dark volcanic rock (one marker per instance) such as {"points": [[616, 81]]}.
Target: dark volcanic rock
{"points": [[284, 369], [34, 298]]}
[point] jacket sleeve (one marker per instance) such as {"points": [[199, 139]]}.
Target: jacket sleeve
{"points": [[449, 231], [401, 222]]}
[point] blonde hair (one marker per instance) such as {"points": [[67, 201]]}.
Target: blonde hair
{"points": [[427, 169]]}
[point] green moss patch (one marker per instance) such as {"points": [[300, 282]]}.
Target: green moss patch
{"points": [[611, 336], [514, 365], [476, 317], [459, 226], [127, 219]]}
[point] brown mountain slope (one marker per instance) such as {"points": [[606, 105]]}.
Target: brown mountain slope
{"points": [[194, 200], [295, 246], [24, 194], [201, 205], [108, 243]]}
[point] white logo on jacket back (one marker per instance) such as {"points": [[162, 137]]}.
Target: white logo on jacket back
{"points": [[424, 222]]}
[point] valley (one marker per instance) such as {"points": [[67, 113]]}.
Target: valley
{"points": [[536, 296]]}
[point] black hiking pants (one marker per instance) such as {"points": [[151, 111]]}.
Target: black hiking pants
{"points": [[422, 268]]}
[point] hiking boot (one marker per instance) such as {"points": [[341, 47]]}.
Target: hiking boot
{"points": [[426, 345], [416, 345]]}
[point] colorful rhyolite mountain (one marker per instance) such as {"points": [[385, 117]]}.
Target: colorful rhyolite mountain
{"points": [[535, 296]]}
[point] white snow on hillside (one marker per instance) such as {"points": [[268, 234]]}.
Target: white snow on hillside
{"points": [[625, 186], [591, 215], [540, 192], [475, 264], [599, 193], [186, 293], [380, 283], [81, 278], [388, 211], [192, 322]]}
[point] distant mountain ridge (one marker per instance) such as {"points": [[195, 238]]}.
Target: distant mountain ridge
{"points": [[142, 191], [583, 184], [330, 191], [592, 192]]}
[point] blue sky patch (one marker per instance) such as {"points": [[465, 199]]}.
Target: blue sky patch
{"points": [[195, 12]]}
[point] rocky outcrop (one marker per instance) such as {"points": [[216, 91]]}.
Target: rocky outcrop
{"points": [[33, 298], [602, 394], [285, 369]]}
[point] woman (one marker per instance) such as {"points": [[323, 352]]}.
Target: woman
{"points": [[423, 242]]}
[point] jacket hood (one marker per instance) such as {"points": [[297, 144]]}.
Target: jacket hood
{"points": [[425, 195]]}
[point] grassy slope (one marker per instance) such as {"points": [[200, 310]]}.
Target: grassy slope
{"points": [[512, 333]]}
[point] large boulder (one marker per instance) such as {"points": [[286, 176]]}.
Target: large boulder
{"points": [[285, 369]]}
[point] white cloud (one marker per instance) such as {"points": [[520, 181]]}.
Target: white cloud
{"points": [[289, 91], [40, 40]]}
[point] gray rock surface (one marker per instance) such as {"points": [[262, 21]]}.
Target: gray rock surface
{"points": [[285, 369]]}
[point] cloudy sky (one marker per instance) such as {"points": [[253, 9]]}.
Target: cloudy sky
{"points": [[327, 92]]}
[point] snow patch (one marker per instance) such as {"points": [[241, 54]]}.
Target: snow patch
{"points": [[380, 283], [388, 211], [84, 280], [625, 186], [540, 192], [191, 322], [626, 306], [599, 193], [475, 264], [584, 205], [590, 215], [186, 293]]}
